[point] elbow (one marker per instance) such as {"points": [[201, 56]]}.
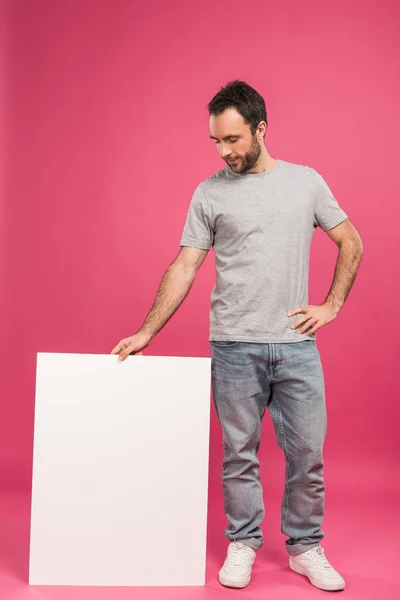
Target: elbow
{"points": [[359, 246], [354, 248], [353, 245], [188, 270]]}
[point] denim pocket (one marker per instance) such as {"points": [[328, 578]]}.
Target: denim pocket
{"points": [[222, 344]]}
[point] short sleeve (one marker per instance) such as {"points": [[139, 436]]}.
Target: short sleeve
{"points": [[327, 212], [197, 231]]}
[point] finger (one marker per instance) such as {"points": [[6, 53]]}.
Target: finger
{"points": [[297, 324], [127, 351], [310, 326], [312, 323], [295, 311], [315, 328], [117, 349], [306, 325]]}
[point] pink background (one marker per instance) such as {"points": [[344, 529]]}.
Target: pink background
{"points": [[104, 139]]}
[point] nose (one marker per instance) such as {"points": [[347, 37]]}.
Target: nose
{"points": [[224, 150]]}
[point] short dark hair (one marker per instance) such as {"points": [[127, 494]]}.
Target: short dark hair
{"points": [[249, 103]]}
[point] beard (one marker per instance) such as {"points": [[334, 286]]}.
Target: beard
{"points": [[248, 161]]}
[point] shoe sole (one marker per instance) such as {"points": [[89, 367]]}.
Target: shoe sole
{"points": [[333, 587], [233, 584]]}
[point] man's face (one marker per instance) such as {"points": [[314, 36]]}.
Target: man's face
{"points": [[232, 136]]}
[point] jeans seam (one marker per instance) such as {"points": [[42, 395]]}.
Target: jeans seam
{"points": [[284, 447]]}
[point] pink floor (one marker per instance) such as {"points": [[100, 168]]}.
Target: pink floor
{"points": [[361, 540]]}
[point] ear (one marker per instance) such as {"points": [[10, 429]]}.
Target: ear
{"points": [[261, 129]]}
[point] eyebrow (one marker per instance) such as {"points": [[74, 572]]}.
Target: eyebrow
{"points": [[226, 137]]}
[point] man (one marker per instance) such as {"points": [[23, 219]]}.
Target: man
{"points": [[259, 213]]}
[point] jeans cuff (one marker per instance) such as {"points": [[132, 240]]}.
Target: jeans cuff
{"points": [[294, 549], [254, 543]]}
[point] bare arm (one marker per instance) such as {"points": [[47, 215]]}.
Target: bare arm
{"points": [[174, 287], [350, 253]]}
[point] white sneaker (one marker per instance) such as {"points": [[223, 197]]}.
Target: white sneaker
{"points": [[316, 567], [236, 570]]}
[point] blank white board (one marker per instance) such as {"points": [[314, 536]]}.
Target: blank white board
{"points": [[120, 470]]}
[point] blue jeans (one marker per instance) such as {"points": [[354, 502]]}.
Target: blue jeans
{"points": [[287, 379]]}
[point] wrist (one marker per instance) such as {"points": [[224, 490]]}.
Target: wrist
{"points": [[333, 304], [146, 334]]}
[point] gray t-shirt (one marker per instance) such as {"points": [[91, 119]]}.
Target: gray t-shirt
{"points": [[260, 226]]}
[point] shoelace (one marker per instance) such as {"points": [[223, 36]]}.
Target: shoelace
{"points": [[239, 556], [318, 556]]}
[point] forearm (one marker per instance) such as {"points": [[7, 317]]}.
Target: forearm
{"points": [[173, 289], [348, 261]]}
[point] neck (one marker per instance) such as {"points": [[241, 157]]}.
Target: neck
{"points": [[265, 162]]}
